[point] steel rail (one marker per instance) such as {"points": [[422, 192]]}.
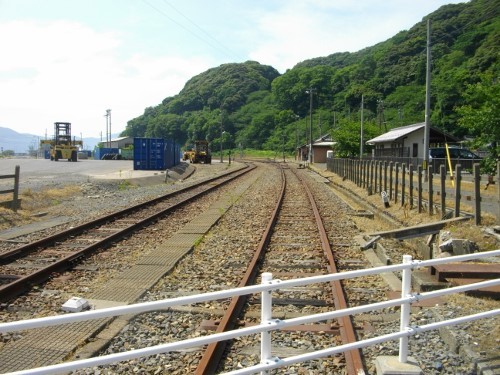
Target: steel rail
{"points": [[354, 362], [213, 353], [23, 284], [21, 251]]}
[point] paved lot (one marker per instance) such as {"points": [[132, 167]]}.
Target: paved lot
{"points": [[99, 169]]}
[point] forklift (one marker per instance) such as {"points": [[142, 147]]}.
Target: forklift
{"points": [[62, 147]]}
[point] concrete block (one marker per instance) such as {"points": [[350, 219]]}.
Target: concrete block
{"points": [[390, 365], [75, 304], [459, 246], [382, 255]]}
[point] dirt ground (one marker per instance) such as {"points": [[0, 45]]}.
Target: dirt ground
{"points": [[407, 215]]}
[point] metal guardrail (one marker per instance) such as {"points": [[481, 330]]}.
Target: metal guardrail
{"points": [[15, 190], [268, 324]]}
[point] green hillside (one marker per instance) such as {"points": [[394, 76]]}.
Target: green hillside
{"points": [[258, 108]]}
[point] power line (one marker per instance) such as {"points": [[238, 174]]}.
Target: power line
{"points": [[187, 29], [201, 29], [484, 16]]}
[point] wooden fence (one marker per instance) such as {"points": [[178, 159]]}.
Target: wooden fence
{"points": [[404, 184], [15, 203]]}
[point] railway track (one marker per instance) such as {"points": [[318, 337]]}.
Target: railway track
{"points": [[295, 244], [31, 264], [294, 249]]}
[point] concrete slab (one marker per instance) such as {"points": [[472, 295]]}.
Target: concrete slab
{"points": [[390, 278], [390, 365], [23, 230], [98, 304]]}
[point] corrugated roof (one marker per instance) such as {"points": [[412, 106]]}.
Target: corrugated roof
{"points": [[396, 133], [326, 143], [119, 139]]}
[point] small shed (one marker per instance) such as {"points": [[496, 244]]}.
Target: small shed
{"points": [[407, 141], [120, 142], [319, 149]]}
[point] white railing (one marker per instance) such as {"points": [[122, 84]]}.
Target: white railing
{"points": [[268, 324]]}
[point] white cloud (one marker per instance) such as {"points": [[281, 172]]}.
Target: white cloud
{"points": [[301, 30], [65, 71]]}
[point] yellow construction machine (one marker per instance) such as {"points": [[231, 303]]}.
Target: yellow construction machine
{"points": [[62, 146], [187, 155], [201, 153]]}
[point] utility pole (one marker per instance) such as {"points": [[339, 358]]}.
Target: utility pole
{"points": [[333, 107], [296, 135], [310, 92], [283, 146], [221, 134], [427, 128], [381, 116], [108, 127], [319, 125], [362, 120]]}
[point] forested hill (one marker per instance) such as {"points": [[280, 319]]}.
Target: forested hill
{"points": [[258, 108]]}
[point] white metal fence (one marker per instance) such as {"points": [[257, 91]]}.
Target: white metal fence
{"points": [[268, 324]]}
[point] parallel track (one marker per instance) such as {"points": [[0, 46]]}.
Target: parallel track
{"points": [[40, 259]]}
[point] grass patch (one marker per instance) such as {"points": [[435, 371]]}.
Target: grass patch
{"points": [[124, 185], [251, 153], [470, 232], [36, 200]]}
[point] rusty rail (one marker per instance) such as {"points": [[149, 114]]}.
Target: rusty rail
{"points": [[22, 284], [354, 363], [213, 353]]}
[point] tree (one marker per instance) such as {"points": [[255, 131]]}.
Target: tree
{"points": [[348, 136], [260, 103], [7, 153], [482, 117]]}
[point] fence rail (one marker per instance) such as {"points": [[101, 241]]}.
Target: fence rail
{"points": [[15, 191], [403, 184], [268, 324]]}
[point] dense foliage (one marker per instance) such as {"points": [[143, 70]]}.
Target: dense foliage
{"points": [[253, 106]]}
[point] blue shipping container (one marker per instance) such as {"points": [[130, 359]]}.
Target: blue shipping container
{"points": [[172, 154], [100, 152], [155, 154]]}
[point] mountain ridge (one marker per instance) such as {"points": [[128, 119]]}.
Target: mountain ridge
{"points": [[21, 143]]}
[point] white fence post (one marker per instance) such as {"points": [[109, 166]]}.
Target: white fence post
{"points": [[266, 316], [405, 310]]}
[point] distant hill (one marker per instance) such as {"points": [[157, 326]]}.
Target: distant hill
{"points": [[254, 106], [17, 142], [21, 143]]}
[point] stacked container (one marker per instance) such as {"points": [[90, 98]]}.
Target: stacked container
{"points": [[155, 154]]}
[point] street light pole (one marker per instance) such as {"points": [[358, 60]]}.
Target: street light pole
{"points": [[221, 131], [310, 92], [108, 125], [427, 128], [283, 146], [362, 121]]}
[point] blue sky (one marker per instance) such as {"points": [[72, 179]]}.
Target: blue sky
{"points": [[70, 60]]}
